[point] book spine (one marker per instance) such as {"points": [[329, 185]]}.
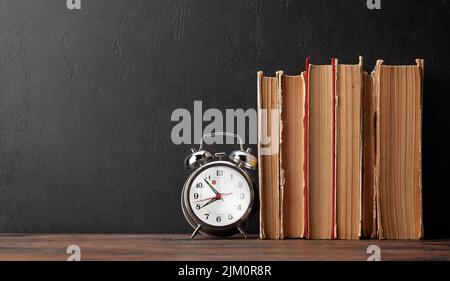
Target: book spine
{"points": [[333, 186], [374, 234], [281, 179], [262, 234], [376, 77], [421, 64], [361, 149]]}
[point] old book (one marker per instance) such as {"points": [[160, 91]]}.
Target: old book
{"points": [[399, 142], [322, 151], [369, 226], [292, 157], [349, 150], [269, 104]]}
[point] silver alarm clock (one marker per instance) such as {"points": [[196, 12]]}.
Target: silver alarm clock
{"points": [[218, 196]]}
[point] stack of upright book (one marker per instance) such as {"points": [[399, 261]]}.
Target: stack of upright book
{"points": [[340, 152]]}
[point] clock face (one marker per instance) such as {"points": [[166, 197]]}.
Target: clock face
{"points": [[219, 196]]}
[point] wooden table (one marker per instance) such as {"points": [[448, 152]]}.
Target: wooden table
{"points": [[179, 247]]}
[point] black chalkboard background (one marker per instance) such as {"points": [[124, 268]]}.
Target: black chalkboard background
{"points": [[86, 96]]}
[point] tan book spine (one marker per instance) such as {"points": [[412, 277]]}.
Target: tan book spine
{"points": [[292, 156], [376, 89], [269, 152], [361, 148], [421, 64], [349, 150], [376, 118], [322, 151], [399, 91]]}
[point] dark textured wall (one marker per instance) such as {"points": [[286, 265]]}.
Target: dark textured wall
{"points": [[86, 96]]}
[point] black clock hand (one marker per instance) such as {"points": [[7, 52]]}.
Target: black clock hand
{"points": [[210, 201], [213, 189]]}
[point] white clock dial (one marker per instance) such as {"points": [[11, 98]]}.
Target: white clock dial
{"points": [[219, 196]]}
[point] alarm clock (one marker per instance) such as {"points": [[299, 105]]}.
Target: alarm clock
{"points": [[218, 196]]}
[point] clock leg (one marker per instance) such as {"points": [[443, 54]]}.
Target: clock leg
{"points": [[196, 231], [241, 231]]}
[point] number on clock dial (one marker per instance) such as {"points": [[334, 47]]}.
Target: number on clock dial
{"points": [[219, 195]]}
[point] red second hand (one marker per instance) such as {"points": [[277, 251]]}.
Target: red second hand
{"points": [[218, 196]]}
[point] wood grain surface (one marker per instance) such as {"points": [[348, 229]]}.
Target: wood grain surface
{"points": [[178, 247]]}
